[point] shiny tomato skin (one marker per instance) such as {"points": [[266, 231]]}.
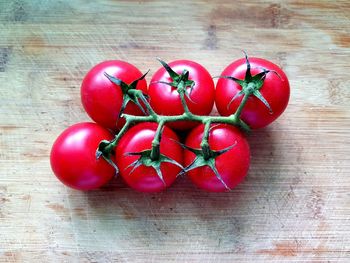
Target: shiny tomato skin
{"points": [[73, 158], [102, 99], [232, 165], [139, 138], [165, 100], [275, 90]]}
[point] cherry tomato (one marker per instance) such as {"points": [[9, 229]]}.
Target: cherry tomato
{"points": [[255, 113], [165, 100], [73, 157], [231, 165], [102, 99], [145, 178]]}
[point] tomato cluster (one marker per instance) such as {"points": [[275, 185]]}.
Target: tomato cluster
{"points": [[149, 156]]}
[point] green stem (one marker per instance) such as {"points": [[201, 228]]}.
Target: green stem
{"points": [[148, 106], [182, 90], [241, 105], [186, 116], [155, 152], [116, 139], [232, 120], [205, 144]]}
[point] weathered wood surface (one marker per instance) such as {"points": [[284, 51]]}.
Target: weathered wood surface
{"points": [[295, 202]]}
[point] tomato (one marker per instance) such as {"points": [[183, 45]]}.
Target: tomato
{"points": [[255, 113], [232, 165], [165, 100], [145, 178], [102, 99], [73, 158]]}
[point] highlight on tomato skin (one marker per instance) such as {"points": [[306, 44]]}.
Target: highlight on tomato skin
{"points": [[275, 90], [102, 99], [73, 157], [145, 178], [232, 166]]}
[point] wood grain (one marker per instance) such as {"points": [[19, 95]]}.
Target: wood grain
{"points": [[295, 203]]}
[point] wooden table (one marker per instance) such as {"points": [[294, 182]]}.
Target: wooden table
{"points": [[294, 204]]}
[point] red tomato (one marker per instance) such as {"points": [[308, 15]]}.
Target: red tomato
{"points": [[73, 157], [165, 100], [275, 90], [232, 165], [103, 99], [144, 178]]}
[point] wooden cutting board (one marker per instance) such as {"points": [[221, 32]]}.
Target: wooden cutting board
{"points": [[294, 204]]}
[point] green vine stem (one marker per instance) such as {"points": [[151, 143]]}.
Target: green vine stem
{"points": [[155, 152], [241, 105], [233, 119], [205, 143], [182, 90]]}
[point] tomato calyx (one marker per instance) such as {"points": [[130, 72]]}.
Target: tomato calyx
{"points": [[147, 160], [130, 93], [251, 84], [179, 81], [105, 149], [206, 157]]}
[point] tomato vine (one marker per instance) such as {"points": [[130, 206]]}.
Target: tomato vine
{"points": [[250, 94], [250, 87]]}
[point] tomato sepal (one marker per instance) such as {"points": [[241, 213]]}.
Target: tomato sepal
{"points": [[179, 81], [130, 93], [251, 84], [146, 160], [206, 157], [105, 151]]}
